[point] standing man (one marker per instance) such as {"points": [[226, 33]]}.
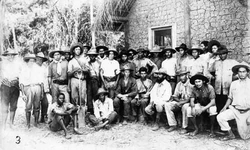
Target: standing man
{"points": [[126, 91], [159, 95], [238, 105], [141, 100], [109, 71], [179, 102], [57, 74], [31, 84], [202, 99], [222, 71], [10, 69], [40, 59], [183, 59], [101, 53], [170, 66], [104, 111], [93, 82], [132, 54], [124, 61], [156, 57]]}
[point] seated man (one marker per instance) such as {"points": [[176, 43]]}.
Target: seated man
{"points": [[159, 95], [60, 115], [141, 100], [103, 110], [202, 99], [179, 101], [238, 105], [126, 91]]}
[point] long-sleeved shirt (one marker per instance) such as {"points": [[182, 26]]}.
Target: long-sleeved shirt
{"points": [[170, 65], [103, 109], [130, 88], [223, 75], [197, 66], [10, 69], [161, 92], [239, 93], [33, 74]]}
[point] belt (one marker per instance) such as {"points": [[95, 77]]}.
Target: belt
{"points": [[110, 79], [30, 85], [60, 82]]}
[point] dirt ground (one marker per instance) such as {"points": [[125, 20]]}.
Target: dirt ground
{"points": [[133, 136]]}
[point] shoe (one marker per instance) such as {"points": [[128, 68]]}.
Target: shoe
{"points": [[67, 137], [77, 132], [156, 127], [107, 127], [229, 137], [172, 128], [183, 131], [124, 122]]}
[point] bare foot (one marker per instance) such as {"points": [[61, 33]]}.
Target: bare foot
{"points": [[67, 137], [194, 133]]}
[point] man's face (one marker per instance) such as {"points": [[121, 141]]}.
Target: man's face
{"points": [[182, 52], [198, 83], [77, 51], [39, 61], [168, 54], [124, 58], [203, 47], [143, 74], [92, 58], [131, 55], [242, 73], [183, 78], [102, 97], [67, 56], [111, 55], [31, 62], [223, 56], [85, 50], [126, 73], [60, 100], [101, 53], [57, 56], [140, 55], [195, 53], [214, 48], [159, 77]]}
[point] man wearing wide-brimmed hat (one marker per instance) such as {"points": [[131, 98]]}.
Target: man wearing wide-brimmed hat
{"points": [[132, 53], [159, 95], [183, 58], [40, 59], [32, 87], [179, 101], [170, 66], [126, 91], [238, 104], [202, 99], [9, 82], [85, 48], [141, 61], [157, 56], [104, 113], [93, 80], [223, 75], [140, 102], [101, 52], [109, 71], [57, 74], [67, 53], [124, 61]]}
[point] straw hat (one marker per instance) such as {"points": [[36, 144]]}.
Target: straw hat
{"points": [[41, 55], [101, 91], [51, 54], [29, 56], [156, 49], [9, 52], [105, 48], [195, 47], [183, 46], [168, 48], [240, 65], [92, 51], [76, 45], [182, 71], [112, 49]]}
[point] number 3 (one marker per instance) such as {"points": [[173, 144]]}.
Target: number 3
{"points": [[18, 139]]}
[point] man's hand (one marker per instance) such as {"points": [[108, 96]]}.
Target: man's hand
{"points": [[199, 111], [24, 97], [5, 81], [223, 109]]}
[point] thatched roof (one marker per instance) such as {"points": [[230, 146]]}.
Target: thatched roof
{"points": [[112, 14]]}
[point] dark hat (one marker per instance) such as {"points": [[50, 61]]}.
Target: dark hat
{"points": [[101, 91], [9, 52], [168, 48], [87, 46], [51, 54], [195, 47], [92, 51], [141, 50], [240, 65], [143, 69], [134, 51], [41, 55], [76, 45], [222, 50], [182, 71], [183, 46], [200, 77], [212, 43], [29, 56], [112, 49], [126, 67], [105, 48], [124, 52]]}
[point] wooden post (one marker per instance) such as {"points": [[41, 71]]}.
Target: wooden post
{"points": [[187, 23], [92, 24]]}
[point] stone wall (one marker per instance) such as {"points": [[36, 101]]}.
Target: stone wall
{"points": [[224, 20]]}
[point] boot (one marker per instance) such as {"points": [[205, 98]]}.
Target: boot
{"points": [[28, 114], [12, 116], [36, 115]]}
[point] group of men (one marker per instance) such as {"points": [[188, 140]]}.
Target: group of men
{"points": [[129, 86]]}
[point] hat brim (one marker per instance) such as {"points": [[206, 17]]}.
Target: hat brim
{"points": [[169, 49], [44, 58], [134, 51], [236, 68], [88, 47], [101, 47], [223, 52], [115, 52], [72, 48], [51, 54], [198, 49], [211, 44], [178, 48], [181, 73], [92, 53], [200, 77], [28, 58], [103, 92], [5, 54]]}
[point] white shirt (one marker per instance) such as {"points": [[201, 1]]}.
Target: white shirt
{"points": [[110, 68], [103, 109], [10, 69], [170, 65], [161, 92], [31, 75]]}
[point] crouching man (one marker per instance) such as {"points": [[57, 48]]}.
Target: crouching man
{"points": [[60, 115], [159, 95], [179, 102], [103, 110], [202, 99]]}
